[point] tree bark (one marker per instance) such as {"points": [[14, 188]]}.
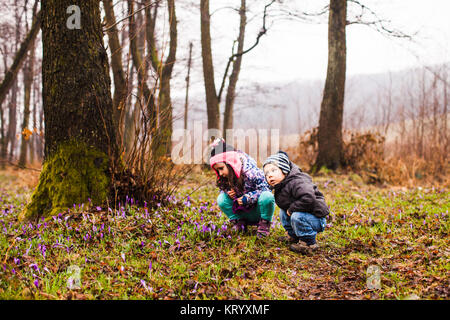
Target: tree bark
{"points": [[188, 78], [28, 75], [330, 141], [141, 68], [28, 82], [80, 137], [164, 72], [33, 141], [212, 101], [12, 120], [120, 84], [231, 92]]}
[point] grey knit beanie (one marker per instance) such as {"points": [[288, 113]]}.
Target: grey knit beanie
{"points": [[281, 160]]}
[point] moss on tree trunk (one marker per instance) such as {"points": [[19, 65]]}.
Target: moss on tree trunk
{"points": [[74, 174]]}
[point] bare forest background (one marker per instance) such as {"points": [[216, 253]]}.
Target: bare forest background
{"points": [[395, 123]]}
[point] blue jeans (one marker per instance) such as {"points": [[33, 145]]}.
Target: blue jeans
{"points": [[302, 225], [263, 210]]}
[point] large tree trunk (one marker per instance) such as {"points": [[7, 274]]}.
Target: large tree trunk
{"points": [[80, 137], [212, 101], [330, 153], [231, 92]]}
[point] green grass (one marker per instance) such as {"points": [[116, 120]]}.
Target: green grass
{"points": [[187, 251]]}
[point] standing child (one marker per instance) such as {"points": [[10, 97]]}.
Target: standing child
{"points": [[302, 205], [245, 196]]}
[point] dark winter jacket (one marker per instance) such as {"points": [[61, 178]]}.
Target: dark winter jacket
{"points": [[297, 193]]}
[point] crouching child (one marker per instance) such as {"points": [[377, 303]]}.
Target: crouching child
{"points": [[302, 206]]}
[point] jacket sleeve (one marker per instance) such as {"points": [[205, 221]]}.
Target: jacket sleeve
{"points": [[255, 184], [304, 198]]}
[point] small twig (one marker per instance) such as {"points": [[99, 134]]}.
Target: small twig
{"points": [[139, 10], [201, 186], [16, 165], [331, 259], [7, 250], [48, 295]]}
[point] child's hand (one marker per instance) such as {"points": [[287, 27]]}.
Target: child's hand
{"points": [[232, 194], [239, 200]]}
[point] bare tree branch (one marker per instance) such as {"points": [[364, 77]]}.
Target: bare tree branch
{"points": [[11, 74], [377, 23], [262, 32]]}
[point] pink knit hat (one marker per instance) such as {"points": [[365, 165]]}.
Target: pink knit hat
{"points": [[222, 152], [230, 157]]}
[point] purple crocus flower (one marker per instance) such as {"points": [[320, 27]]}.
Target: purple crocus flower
{"points": [[98, 208], [34, 266], [36, 283]]}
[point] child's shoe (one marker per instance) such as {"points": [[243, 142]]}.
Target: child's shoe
{"points": [[263, 228], [303, 248], [288, 239]]}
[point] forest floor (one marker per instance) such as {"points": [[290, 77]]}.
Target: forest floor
{"points": [[187, 251]]}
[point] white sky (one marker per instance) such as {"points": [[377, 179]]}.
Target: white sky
{"points": [[294, 50]]}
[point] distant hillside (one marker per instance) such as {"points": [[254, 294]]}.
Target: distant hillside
{"points": [[293, 107]]}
